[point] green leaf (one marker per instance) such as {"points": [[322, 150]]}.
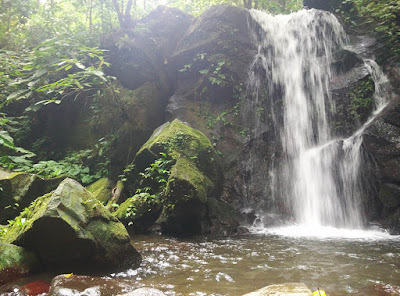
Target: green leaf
{"points": [[80, 66]]}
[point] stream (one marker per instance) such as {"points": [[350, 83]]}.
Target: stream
{"points": [[341, 262], [238, 265]]}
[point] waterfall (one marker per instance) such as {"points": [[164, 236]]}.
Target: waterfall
{"points": [[319, 176]]}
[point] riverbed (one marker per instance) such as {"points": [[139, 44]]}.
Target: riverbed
{"points": [[351, 264], [341, 262]]}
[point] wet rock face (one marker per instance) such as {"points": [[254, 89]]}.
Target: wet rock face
{"points": [[70, 229], [352, 90], [389, 194], [382, 141]]}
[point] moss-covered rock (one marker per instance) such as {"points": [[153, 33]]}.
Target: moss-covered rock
{"points": [[195, 178], [18, 190], [15, 262], [71, 229], [101, 190], [142, 210]]}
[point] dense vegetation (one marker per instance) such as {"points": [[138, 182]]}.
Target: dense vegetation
{"points": [[50, 50], [383, 16]]}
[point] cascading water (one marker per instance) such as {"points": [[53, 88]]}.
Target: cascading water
{"points": [[319, 177]]}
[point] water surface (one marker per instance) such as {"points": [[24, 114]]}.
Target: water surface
{"points": [[238, 265]]}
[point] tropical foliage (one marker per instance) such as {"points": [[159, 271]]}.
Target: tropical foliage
{"points": [[383, 15], [50, 50]]}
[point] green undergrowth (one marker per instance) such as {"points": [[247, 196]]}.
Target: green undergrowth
{"points": [[361, 99]]}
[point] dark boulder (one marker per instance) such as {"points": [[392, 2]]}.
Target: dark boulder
{"points": [[189, 200], [70, 229], [18, 190]]}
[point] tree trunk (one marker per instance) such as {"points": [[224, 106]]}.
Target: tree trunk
{"points": [[90, 16], [119, 14], [247, 4]]}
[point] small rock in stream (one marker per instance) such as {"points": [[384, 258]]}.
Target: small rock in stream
{"points": [[287, 289]]}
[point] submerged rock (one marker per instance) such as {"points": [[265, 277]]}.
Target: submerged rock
{"points": [[288, 289], [15, 262], [75, 285], [35, 288], [19, 190], [70, 229]]}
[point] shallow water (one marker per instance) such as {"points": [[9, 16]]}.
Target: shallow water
{"points": [[234, 266], [341, 262]]}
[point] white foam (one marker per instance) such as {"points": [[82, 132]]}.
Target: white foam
{"points": [[326, 232]]}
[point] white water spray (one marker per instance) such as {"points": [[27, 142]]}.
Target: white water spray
{"points": [[320, 178]]}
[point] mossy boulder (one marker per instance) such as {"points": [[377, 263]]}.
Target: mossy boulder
{"points": [[142, 210], [101, 190], [195, 178], [15, 262], [18, 190], [70, 229]]}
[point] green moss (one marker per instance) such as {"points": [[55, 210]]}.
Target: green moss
{"points": [[135, 207], [110, 232], [27, 217], [101, 190], [361, 99], [179, 137], [194, 176], [187, 182], [14, 256]]}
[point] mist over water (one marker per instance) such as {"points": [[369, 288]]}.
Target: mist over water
{"points": [[319, 179]]}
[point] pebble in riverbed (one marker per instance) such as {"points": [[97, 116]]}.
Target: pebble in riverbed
{"points": [[288, 289]]}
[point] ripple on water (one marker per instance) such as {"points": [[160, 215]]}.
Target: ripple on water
{"points": [[237, 266]]}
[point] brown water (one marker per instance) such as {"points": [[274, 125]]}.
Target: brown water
{"points": [[234, 266]]}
